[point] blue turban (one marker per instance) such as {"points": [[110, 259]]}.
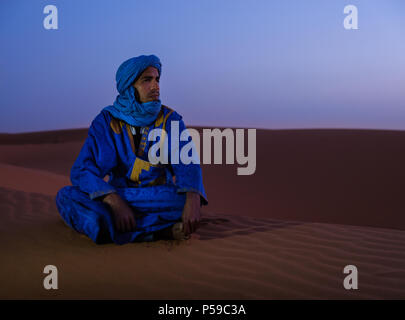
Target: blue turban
{"points": [[125, 106]]}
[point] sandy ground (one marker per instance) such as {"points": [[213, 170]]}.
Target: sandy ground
{"points": [[319, 200]]}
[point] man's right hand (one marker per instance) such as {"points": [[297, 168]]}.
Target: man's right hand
{"points": [[123, 215]]}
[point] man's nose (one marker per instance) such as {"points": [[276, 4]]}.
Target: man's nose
{"points": [[155, 85]]}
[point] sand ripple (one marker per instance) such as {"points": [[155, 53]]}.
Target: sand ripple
{"points": [[230, 257]]}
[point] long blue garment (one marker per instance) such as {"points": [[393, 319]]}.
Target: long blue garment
{"points": [[155, 197]]}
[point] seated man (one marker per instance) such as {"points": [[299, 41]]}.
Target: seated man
{"points": [[141, 201]]}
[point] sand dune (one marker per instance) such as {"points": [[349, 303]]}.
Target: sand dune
{"points": [[320, 200], [29, 180], [55, 158], [230, 257], [353, 177]]}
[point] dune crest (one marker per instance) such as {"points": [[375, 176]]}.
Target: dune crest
{"points": [[30, 180]]}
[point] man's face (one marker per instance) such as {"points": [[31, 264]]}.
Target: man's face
{"points": [[148, 85]]}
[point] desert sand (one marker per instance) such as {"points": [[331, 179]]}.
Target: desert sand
{"points": [[319, 200]]}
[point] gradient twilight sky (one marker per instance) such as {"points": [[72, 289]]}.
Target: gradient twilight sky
{"points": [[238, 63]]}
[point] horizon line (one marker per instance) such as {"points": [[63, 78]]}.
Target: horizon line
{"points": [[226, 127]]}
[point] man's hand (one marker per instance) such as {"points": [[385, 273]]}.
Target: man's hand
{"points": [[123, 215], [191, 213]]}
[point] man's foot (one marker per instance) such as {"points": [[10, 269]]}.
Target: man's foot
{"points": [[174, 232], [178, 232]]}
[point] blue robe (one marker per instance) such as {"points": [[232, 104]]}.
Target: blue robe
{"points": [[155, 192]]}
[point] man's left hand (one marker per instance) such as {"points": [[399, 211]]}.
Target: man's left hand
{"points": [[191, 213]]}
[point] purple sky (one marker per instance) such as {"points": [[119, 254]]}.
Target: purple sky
{"points": [[261, 64]]}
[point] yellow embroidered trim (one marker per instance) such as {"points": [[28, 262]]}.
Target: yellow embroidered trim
{"points": [[163, 137], [164, 121], [159, 119], [139, 165], [142, 144], [116, 125]]}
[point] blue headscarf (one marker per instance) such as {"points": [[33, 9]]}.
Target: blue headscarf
{"points": [[125, 106]]}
